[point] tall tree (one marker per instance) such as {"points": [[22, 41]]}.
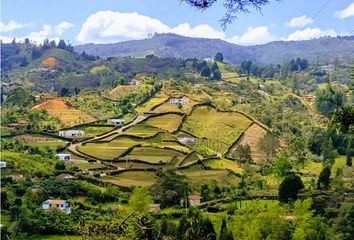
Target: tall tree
{"points": [[290, 187], [324, 179], [219, 57], [140, 199], [225, 233]]}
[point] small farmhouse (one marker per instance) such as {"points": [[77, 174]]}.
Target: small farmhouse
{"points": [[117, 121], [3, 164], [181, 101], [71, 133], [194, 200], [64, 156], [62, 205], [135, 82]]}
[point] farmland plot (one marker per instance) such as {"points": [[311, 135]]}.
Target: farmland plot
{"points": [[206, 122], [153, 155], [134, 178], [168, 122]]}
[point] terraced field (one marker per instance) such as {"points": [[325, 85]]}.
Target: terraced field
{"points": [[153, 155], [218, 164], [197, 177], [142, 130], [68, 115], [41, 141], [168, 107], [122, 90], [169, 122], [153, 102], [133, 178], [206, 122], [107, 151]]}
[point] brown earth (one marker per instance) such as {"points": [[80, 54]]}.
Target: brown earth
{"points": [[51, 61], [68, 115]]}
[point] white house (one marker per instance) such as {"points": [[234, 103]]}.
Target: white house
{"points": [[117, 121], [64, 156], [3, 164], [62, 205], [71, 133], [181, 101], [186, 140], [135, 82]]}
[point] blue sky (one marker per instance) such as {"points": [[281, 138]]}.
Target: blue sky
{"points": [[105, 21]]}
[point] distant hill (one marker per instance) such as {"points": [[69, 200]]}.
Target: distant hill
{"points": [[172, 45]]}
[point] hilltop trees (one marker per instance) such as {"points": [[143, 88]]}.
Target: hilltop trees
{"points": [[219, 57]]}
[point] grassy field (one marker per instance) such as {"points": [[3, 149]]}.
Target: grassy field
{"points": [[68, 115], [85, 165], [127, 179], [107, 151], [191, 158], [223, 164], [91, 131], [153, 155], [168, 122], [30, 164], [97, 69], [95, 106], [206, 122], [122, 90], [142, 130], [158, 99], [40, 141], [197, 177]]}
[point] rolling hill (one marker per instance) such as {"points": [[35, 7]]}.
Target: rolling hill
{"points": [[172, 45]]}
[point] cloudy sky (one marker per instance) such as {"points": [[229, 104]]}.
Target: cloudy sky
{"points": [[108, 21]]}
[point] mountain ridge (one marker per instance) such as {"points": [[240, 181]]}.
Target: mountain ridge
{"points": [[173, 45]]}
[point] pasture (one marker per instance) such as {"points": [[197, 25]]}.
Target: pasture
{"points": [[224, 164], [142, 130], [225, 127], [91, 131], [169, 122], [132, 178], [153, 155]]}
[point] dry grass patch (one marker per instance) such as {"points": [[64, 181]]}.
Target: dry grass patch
{"points": [[68, 115]]}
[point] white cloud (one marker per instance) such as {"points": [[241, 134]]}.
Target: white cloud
{"points": [[10, 26], [253, 36], [347, 12], [310, 33], [47, 32], [62, 27], [300, 21], [109, 26], [202, 30]]}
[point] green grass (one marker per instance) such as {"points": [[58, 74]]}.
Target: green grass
{"points": [[5, 219], [197, 177], [107, 151], [168, 122], [127, 179], [84, 166], [142, 130], [97, 69], [153, 155], [30, 164], [206, 122], [223, 164], [91, 131]]}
